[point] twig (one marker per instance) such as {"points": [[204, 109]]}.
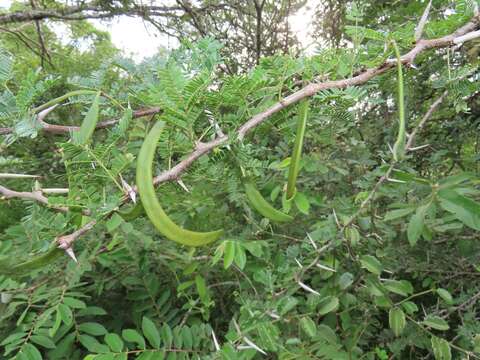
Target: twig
{"points": [[66, 241], [408, 147], [18, 176], [422, 22]]}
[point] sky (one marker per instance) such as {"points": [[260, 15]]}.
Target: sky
{"points": [[140, 39]]}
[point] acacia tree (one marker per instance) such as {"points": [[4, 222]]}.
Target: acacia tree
{"points": [[369, 250]]}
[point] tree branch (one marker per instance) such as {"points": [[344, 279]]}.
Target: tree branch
{"points": [[62, 129]]}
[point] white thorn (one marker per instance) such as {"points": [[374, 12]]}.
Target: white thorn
{"points": [[308, 288], [252, 344], [182, 185], [396, 181], [312, 242], [70, 253], [324, 267], [128, 190], [215, 342]]}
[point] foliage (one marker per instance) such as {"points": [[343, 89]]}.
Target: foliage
{"points": [[394, 277]]}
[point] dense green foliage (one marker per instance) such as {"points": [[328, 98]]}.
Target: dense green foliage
{"points": [[379, 259]]}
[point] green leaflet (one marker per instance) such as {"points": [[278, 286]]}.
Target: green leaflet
{"points": [[152, 207], [23, 268], [297, 149], [132, 213], [399, 146], [82, 136], [262, 205]]}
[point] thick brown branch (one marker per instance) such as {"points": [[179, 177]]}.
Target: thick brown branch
{"points": [[62, 129]]}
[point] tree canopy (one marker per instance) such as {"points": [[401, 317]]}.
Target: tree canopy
{"points": [[246, 195]]}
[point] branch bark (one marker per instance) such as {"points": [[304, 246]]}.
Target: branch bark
{"points": [[62, 129]]}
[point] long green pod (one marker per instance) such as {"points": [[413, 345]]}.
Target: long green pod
{"points": [[150, 203], [37, 262], [400, 143], [82, 136], [262, 205], [297, 149]]}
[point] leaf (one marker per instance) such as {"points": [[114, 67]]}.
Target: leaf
{"points": [[134, 336], [372, 264], [151, 333], [167, 336], [436, 323], [87, 128], [415, 225], [92, 345], [92, 328], [309, 326], [286, 304], [42, 340], [58, 321], [345, 280], [6, 66], [441, 349], [302, 203], [328, 304], [445, 295], [240, 256], [74, 303], [410, 307], [228, 254], [398, 213], [187, 337], [463, 208], [114, 342], [31, 352], [396, 320], [65, 314], [402, 287], [202, 288]]}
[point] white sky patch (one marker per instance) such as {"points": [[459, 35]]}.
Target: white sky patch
{"points": [[135, 37]]}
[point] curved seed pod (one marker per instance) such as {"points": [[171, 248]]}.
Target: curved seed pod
{"points": [[152, 207], [262, 205], [400, 143], [87, 128], [35, 263], [132, 213], [297, 149]]}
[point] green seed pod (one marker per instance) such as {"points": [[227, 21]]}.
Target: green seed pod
{"points": [[150, 203]]}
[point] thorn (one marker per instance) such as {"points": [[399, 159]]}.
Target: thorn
{"points": [[298, 263], [312, 242], [396, 181], [215, 342], [128, 190], [182, 185], [324, 267], [419, 147], [308, 288], [253, 345], [70, 253]]}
